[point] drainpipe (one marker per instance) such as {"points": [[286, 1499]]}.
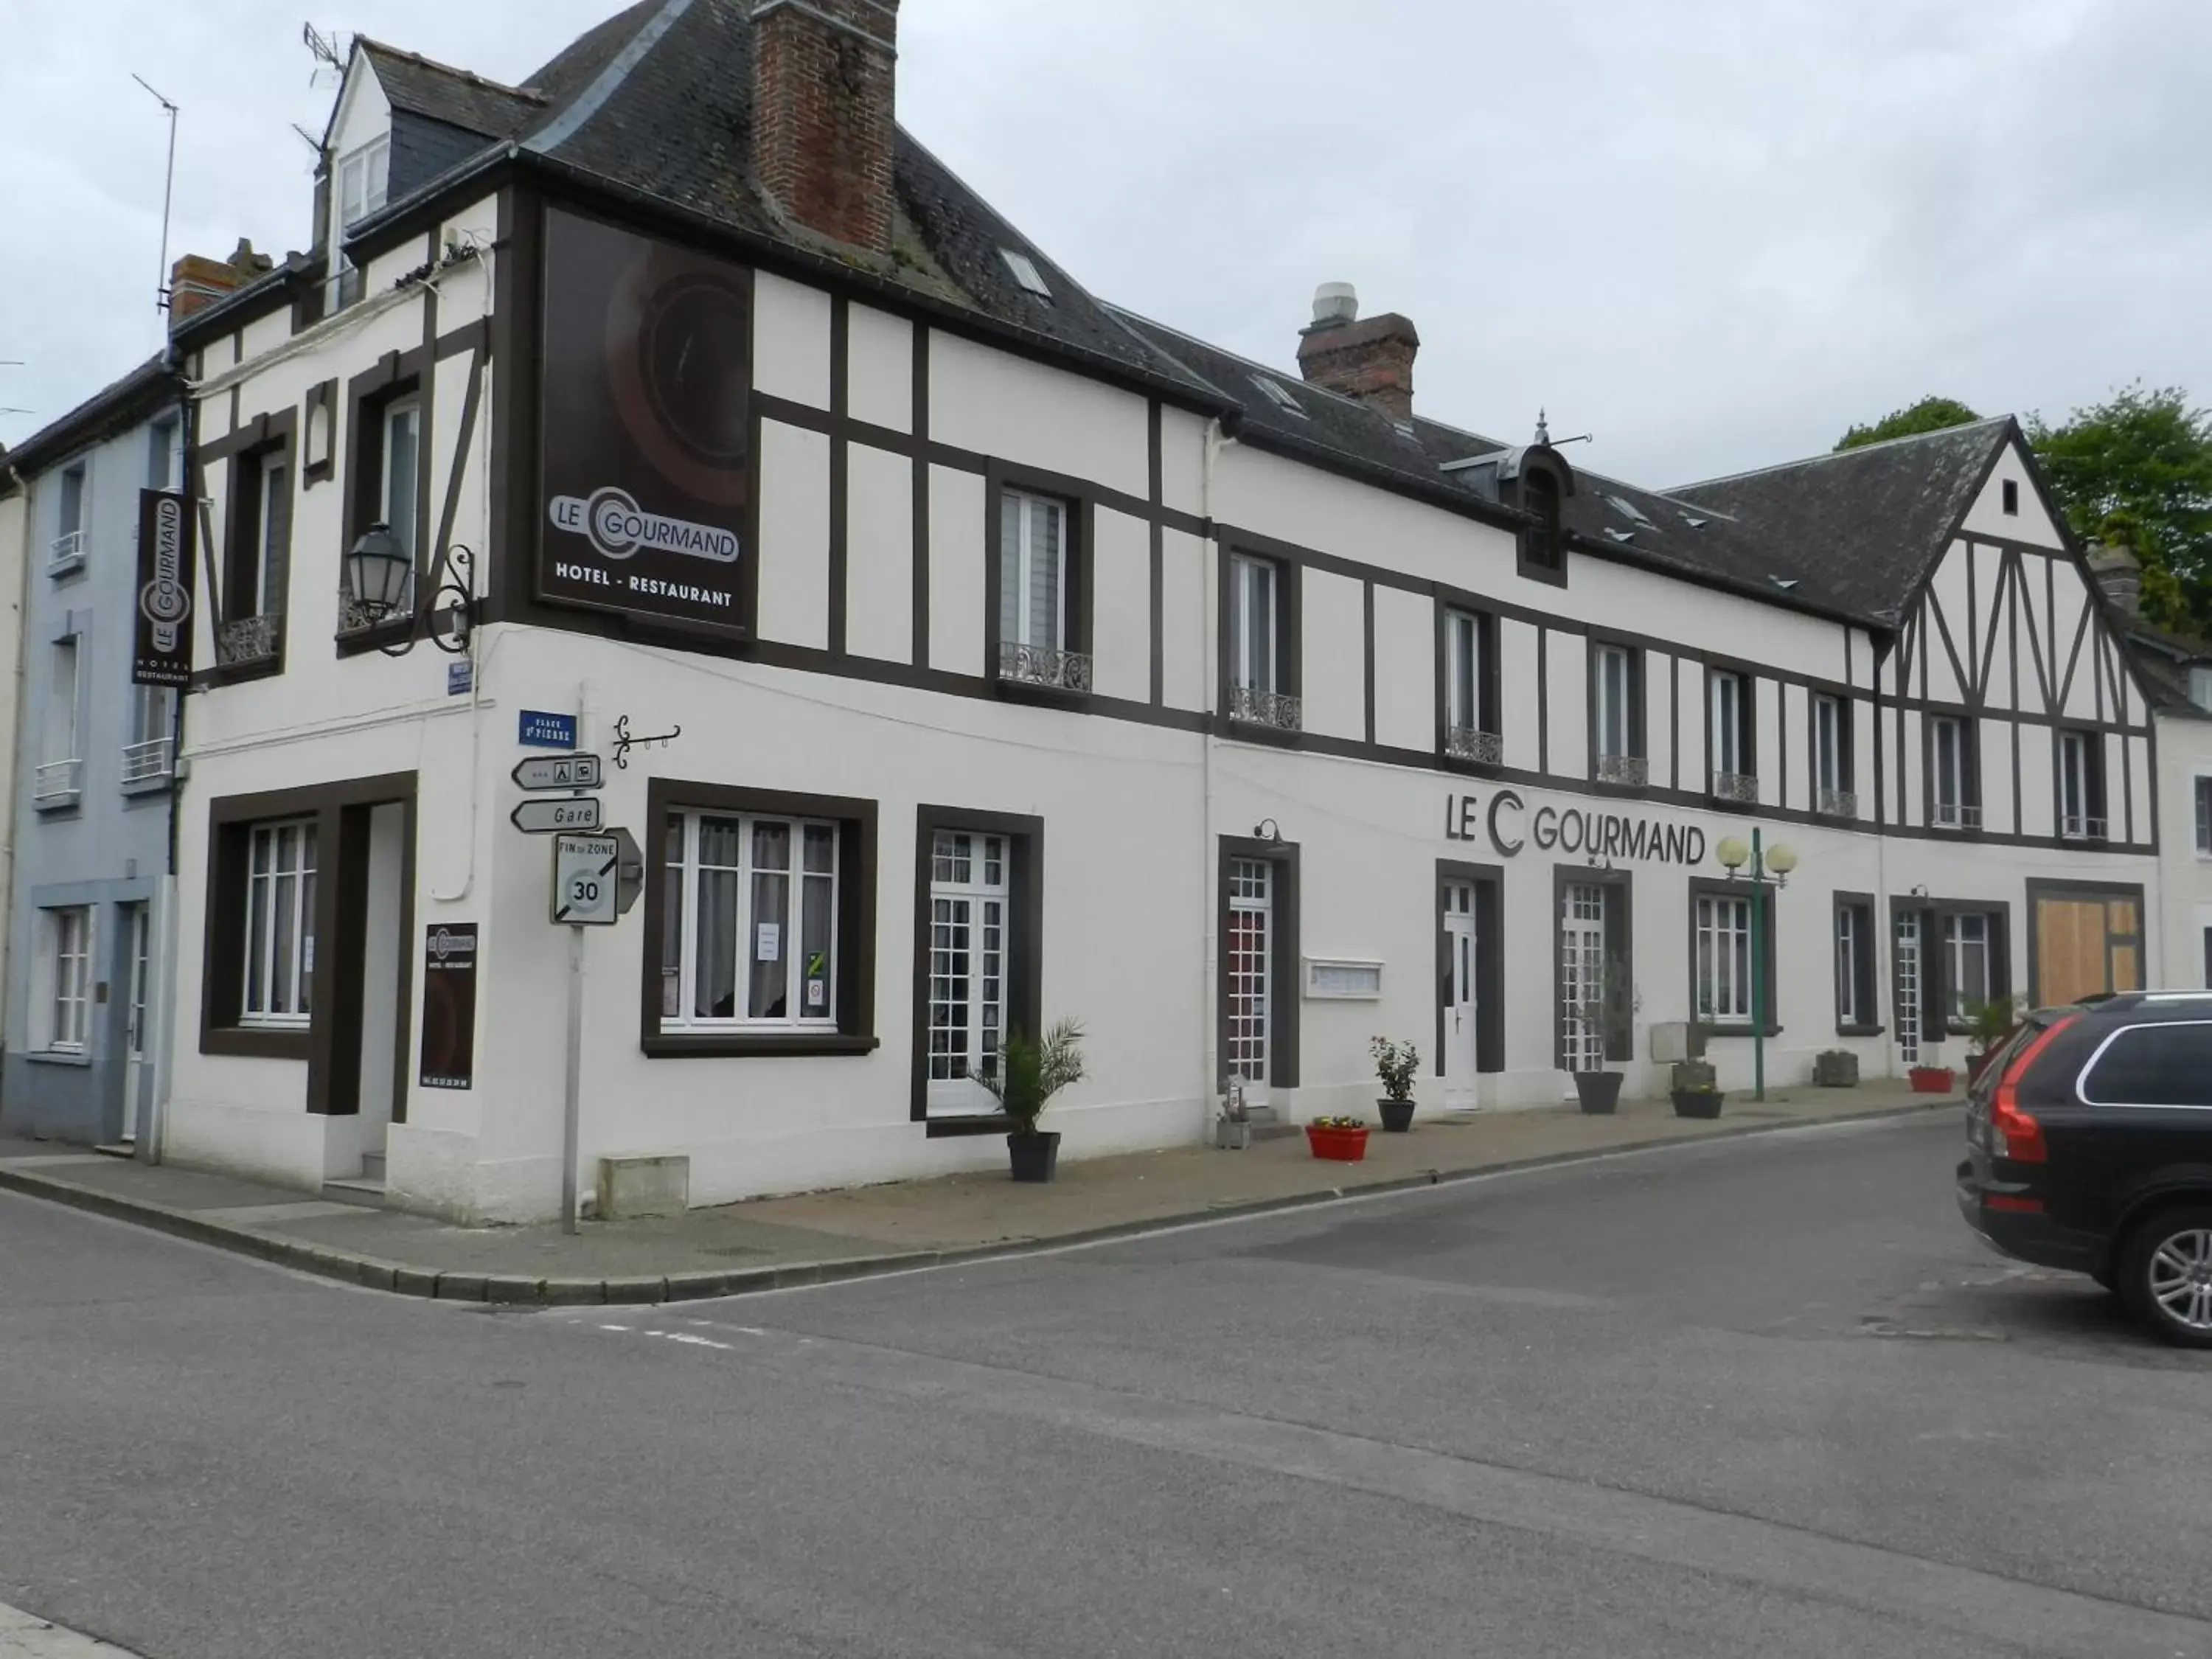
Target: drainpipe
{"points": [[1210, 943], [153, 1122]]}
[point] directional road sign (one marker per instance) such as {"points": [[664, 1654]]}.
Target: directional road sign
{"points": [[584, 871], [558, 772], [549, 815]]}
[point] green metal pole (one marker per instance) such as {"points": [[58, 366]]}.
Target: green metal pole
{"points": [[1758, 969]]}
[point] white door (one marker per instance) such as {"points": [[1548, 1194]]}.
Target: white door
{"points": [[137, 935], [1459, 996], [970, 892], [1908, 986], [1582, 961], [1251, 937]]}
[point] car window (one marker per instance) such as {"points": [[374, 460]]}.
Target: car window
{"points": [[2168, 1065]]}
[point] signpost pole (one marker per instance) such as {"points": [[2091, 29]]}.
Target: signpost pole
{"points": [[1758, 968], [572, 1106]]}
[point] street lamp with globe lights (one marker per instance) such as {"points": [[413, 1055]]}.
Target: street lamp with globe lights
{"points": [[1762, 867]]}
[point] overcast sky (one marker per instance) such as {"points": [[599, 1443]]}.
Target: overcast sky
{"points": [[1714, 232]]}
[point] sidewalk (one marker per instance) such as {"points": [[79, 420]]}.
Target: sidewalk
{"points": [[768, 1243]]}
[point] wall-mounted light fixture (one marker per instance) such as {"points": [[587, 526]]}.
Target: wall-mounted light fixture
{"points": [[379, 569], [1267, 830]]}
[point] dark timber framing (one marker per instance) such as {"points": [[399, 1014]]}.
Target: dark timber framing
{"points": [[1026, 928], [330, 1043], [855, 820]]}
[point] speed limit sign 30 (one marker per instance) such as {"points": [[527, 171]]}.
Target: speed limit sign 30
{"points": [[584, 880]]}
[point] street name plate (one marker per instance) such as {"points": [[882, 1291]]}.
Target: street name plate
{"points": [[548, 816], [558, 772], [584, 880]]}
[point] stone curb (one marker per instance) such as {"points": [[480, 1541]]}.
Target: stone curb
{"points": [[626, 1290]]}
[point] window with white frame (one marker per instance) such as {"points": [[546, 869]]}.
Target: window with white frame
{"points": [[970, 960], [147, 752], [1956, 805], [2081, 803], [749, 931], [364, 174], [1617, 715], [261, 537], [1260, 675], [2204, 817], [280, 924], [1853, 967], [67, 970], [1034, 589], [1723, 951], [1967, 944], [1468, 721], [1732, 756], [64, 685], [1831, 756], [67, 549], [161, 453], [397, 491]]}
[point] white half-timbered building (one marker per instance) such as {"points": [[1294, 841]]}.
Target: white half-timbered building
{"points": [[1012, 657]]}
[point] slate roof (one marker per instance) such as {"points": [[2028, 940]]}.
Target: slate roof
{"points": [[437, 91], [115, 407], [1864, 525], [2162, 661]]}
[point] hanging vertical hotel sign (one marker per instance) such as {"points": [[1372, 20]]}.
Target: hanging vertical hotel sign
{"points": [[449, 1005], [161, 648], [645, 426]]}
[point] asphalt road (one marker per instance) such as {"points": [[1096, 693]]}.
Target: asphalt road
{"points": [[1761, 1397]]}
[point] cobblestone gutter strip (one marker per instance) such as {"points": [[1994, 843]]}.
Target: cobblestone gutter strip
{"points": [[403, 1279]]}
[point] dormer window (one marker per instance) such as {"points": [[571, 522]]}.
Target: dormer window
{"points": [[1543, 543], [362, 178]]}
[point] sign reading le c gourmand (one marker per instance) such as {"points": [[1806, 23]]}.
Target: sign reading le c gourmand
{"points": [[645, 426], [161, 643]]}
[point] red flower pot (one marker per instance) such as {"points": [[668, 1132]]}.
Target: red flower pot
{"points": [[1931, 1079], [1341, 1145]]}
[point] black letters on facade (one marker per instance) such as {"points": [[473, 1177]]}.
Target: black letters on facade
{"points": [[162, 647], [645, 425], [1605, 836], [449, 1005]]}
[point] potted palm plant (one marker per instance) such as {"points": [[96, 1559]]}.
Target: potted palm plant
{"points": [[1991, 1022], [1609, 1010], [1395, 1064], [1029, 1075]]}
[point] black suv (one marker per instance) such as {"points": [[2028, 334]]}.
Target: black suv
{"points": [[2089, 1141]]}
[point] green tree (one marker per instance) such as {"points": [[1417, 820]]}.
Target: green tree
{"points": [[1930, 414], [2137, 471]]}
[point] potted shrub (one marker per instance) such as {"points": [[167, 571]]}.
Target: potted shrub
{"points": [[1992, 1023], [1232, 1130], [1395, 1064], [1929, 1077], [1342, 1139], [1695, 1089], [1836, 1068], [1030, 1074], [1610, 1012]]}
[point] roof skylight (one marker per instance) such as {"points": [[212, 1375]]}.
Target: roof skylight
{"points": [[1627, 509], [1278, 395], [1026, 272]]}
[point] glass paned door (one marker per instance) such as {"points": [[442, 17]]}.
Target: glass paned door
{"points": [[1908, 988], [138, 936], [1582, 972], [1460, 1050], [968, 896], [1251, 935]]}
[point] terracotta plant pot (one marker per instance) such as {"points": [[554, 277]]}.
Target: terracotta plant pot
{"points": [[1931, 1079], [1339, 1145], [1397, 1115]]}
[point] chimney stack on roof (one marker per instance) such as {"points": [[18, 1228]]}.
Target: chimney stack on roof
{"points": [[823, 72], [197, 281], [1371, 361], [2120, 574]]}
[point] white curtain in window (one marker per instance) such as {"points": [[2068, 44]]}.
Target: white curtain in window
{"points": [[1032, 556]]}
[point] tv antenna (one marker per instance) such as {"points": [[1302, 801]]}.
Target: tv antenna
{"points": [[168, 187], [330, 50]]}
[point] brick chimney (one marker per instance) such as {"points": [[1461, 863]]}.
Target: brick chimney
{"points": [[197, 281], [823, 120], [2120, 574], [1371, 361]]}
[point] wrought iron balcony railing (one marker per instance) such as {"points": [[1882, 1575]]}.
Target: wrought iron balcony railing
{"points": [[2080, 826], [1956, 816], [249, 639], [1631, 770], [1472, 742], [1741, 787], [1275, 708], [1045, 665], [1837, 804]]}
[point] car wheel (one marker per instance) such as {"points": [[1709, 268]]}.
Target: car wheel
{"points": [[2165, 1275]]}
